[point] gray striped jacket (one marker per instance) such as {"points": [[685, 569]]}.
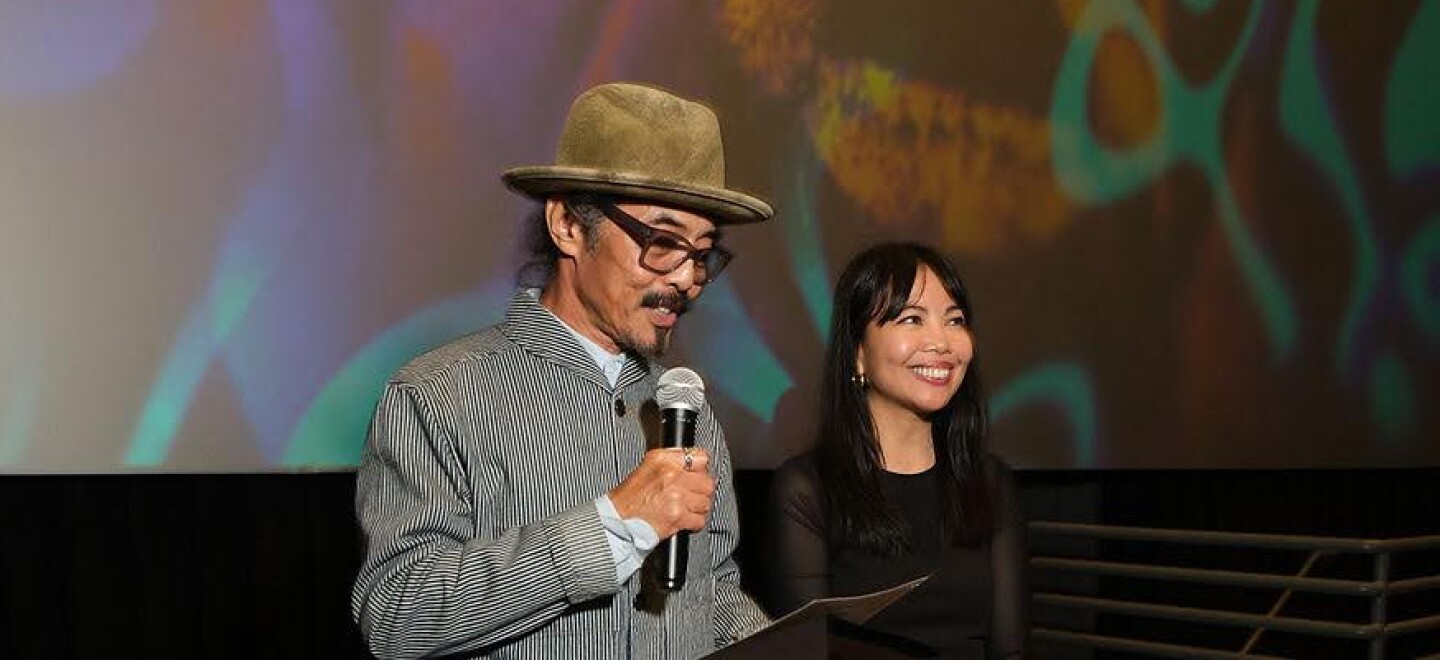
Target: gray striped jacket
{"points": [[475, 494]]}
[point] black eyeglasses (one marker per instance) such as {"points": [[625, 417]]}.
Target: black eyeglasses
{"points": [[661, 251]]}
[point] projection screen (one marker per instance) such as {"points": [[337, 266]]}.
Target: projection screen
{"points": [[1197, 234]]}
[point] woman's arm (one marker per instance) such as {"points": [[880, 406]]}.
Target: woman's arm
{"points": [[1010, 562], [796, 552]]}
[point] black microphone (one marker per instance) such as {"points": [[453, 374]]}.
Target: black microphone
{"points": [[680, 395]]}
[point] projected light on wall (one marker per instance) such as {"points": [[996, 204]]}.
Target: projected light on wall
{"points": [[1196, 235]]}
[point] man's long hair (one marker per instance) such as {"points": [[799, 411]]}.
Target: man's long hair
{"points": [[876, 286]]}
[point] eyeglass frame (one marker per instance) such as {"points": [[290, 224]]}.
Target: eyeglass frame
{"points": [[644, 236]]}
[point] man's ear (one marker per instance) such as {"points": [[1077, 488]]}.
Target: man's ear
{"points": [[565, 229]]}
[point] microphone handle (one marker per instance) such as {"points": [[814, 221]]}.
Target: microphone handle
{"points": [[677, 429]]}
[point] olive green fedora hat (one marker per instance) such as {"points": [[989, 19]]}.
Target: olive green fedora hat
{"points": [[646, 144]]}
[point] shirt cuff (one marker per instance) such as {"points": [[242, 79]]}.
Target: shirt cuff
{"points": [[630, 539]]}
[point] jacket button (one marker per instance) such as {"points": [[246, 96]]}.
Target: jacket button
{"points": [[620, 407]]}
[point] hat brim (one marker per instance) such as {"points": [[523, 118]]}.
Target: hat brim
{"points": [[722, 206]]}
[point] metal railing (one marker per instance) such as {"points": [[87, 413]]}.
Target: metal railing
{"points": [[1378, 590]]}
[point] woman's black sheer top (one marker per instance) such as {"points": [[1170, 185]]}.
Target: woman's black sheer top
{"points": [[975, 606]]}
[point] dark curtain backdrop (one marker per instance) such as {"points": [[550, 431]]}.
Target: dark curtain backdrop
{"points": [[178, 566], [259, 565]]}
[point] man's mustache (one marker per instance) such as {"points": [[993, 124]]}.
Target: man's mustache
{"points": [[672, 301]]}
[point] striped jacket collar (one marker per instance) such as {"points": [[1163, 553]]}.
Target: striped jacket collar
{"points": [[539, 332]]}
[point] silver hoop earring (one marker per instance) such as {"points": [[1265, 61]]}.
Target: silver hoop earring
{"points": [[860, 380]]}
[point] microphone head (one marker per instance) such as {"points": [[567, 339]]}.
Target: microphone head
{"points": [[680, 388]]}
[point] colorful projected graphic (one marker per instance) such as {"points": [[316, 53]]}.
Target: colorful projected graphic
{"points": [[1198, 234]]}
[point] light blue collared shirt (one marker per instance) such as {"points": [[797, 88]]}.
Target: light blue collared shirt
{"points": [[630, 538]]}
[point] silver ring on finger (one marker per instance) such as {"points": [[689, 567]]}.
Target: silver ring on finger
{"points": [[689, 460]]}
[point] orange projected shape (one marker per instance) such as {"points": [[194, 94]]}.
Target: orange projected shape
{"points": [[775, 38], [908, 153], [1124, 94], [911, 153]]}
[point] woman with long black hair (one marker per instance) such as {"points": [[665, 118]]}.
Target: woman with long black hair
{"points": [[899, 484]]}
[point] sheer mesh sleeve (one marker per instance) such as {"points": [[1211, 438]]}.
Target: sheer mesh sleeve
{"points": [[1010, 560], [795, 532]]}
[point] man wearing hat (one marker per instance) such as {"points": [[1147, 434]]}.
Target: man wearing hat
{"points": [[506, 494]]}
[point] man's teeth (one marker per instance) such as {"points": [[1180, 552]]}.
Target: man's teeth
{"points": [[934, 373]]}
